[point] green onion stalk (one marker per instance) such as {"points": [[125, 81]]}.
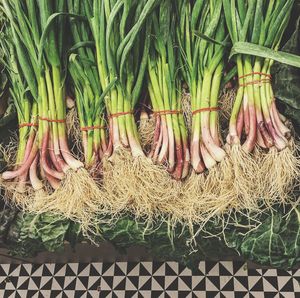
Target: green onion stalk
{"points": [[121, 31], [255, 121], [38, 29], [170, 141], [201, 35], [88, 91], [27, 120]]}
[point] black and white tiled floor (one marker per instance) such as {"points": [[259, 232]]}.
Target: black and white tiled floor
{"points": [[146, 279]]}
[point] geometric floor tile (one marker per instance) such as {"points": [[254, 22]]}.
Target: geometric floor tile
{"points": [[146, 279]]}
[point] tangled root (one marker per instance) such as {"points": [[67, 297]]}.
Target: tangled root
{"points": [[191, 205], [137, 185], [16, 194], [73, 131], [146, 131], [78, 199], [246, 179], [280, 172], [9, 152]]}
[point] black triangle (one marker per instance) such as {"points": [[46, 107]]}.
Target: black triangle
{"points": [[181, 268], [147, 286], [237, 265], [170, 271], [129, 294], [55, 293], [48, 285], [104, 294], [134, 280], [94, 271], [131, 266], [96, 285], [60, 280], [46, 271], [12, 268], [258, 287], [69, 271], [160, 280], [64, 295], [229, 286], [215, 281], [71, 286], [121, 286], [281, 272], [144, 271], [118, 271], [82, 266], [2, 272], [114, 295], [187, 280], [173, 286], [270, 294], [156, 266], [35, 267], [183, 293], [157, 294], [106, 266], [201, 286], [8, 293], [243, 280], [224, 271], [273, 280], [253, 272], [211, 294], [209, 265], [89, 295], [288, 287], [57, 267], [31, 293], [23, 271], [24, 285], [84, 280], [109, 280], [36, 280]]}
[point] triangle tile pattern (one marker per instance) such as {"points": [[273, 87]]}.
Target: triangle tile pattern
{"points": [[146, 279]]}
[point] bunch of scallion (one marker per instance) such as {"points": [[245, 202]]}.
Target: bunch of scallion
{"points": [[121, 30], [263, 152], [88, 90], [38, 32], [201, 37], [170, 141], [27, 120]]}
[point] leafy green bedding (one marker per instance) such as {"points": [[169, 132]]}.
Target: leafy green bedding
{"points": [[275, 242]]}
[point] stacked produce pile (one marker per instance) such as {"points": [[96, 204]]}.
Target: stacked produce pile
{"points": [[146, 79]]}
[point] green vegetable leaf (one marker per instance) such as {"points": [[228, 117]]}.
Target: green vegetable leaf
{"points": [[287, 78], [247, 48]]}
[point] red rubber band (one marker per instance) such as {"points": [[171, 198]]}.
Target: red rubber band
{"points": [[258, 82], [52, 120], [212, 109], [28, 125], [168, 112], [116, 115], [256, 73], [88, 128]]}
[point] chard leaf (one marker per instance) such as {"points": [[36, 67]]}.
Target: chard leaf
{"points": [[287, 78]]}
